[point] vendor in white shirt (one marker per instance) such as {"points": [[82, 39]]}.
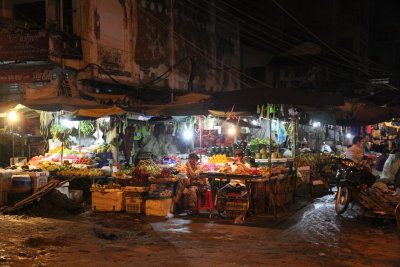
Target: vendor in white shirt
{"points": [[356, 152], [238, 167]]}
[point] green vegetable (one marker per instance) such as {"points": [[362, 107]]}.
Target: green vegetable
{"points": [[87, 127]]}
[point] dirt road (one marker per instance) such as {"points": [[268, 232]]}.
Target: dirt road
{"points": [[311, 236]]}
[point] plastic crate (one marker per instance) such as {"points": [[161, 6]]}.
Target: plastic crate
{"points": [[38, 182], [134, 205]]}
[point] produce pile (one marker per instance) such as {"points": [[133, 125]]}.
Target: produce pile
{"points": [[181, 168], [145, 169], [84, 161], [219, 159], [71, 172]]}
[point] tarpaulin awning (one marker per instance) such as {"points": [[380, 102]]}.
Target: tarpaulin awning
{"points": [[258, 96], [361, 114], [62, 103], [186, 105], [95, 113]]}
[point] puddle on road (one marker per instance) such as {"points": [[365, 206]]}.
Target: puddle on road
{"points": [[173, 225]]}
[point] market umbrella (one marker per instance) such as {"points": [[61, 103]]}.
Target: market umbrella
{"points": [[62, 103]]}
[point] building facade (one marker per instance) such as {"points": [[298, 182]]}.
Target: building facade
{"points": [[117, 46]]}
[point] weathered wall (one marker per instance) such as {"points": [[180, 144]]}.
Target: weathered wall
{"points": [[138, 40]]}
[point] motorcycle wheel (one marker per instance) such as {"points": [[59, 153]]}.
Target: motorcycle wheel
{"points": [[342, 199]]}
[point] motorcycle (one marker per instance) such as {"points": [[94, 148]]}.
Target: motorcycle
{"points": [[351, 179]]}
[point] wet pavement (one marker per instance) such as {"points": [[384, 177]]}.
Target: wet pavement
{"points": [[308, 235]]}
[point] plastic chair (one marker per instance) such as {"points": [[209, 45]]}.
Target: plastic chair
{"points": [[208, 205]]}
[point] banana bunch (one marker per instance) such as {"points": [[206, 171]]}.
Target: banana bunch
{"points": [[80, 172]]}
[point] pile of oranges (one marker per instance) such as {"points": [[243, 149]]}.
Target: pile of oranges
{"points": [[219, 159]]}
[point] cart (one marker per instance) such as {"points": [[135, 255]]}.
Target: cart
{"points": [[233, 204], [381, 204]]}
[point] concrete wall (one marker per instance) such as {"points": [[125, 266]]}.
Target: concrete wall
{"points": [[138, 40]]}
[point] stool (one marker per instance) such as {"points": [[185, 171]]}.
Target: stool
{"points": [[208, 202]]}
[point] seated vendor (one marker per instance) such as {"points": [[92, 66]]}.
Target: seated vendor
{"points": [[238, 167], [193, 185]]}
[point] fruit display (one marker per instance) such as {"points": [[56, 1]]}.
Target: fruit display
{"points": [[51, 166], [166, 173], [219, 159], [80, 172], [265, 171], [256, 144], [147, 168], [101, 148], [66, 151], [180, 168], [84, 161]]}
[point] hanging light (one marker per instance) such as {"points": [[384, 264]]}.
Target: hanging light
{"points": [[187, 134], [12, 116], [348, 135], [316, 124], [232, 131]]}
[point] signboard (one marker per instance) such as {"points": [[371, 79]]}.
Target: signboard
{"points": [[25, 46], [25, 75]]}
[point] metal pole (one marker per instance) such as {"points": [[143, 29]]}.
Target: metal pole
{"points": [[13, 143], [79, 137], [270, 143]]}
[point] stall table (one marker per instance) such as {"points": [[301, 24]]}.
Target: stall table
{"points": [[273, 191]]}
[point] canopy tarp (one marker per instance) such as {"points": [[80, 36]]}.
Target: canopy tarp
{"points": [[361, 114], [62, 103], [186, 105], [352, 114], [31, 113], [95, 113], [259, 96]]}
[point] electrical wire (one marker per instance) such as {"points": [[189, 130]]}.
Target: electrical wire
{"points": [[319, 39], [297, 59], [203, 54], [277, 30]]}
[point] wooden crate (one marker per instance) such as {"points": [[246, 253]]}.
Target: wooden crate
{"points": [[159, 207], [108, 200]]}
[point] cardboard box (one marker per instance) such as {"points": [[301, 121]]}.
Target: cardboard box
{"points": [[108, 200], [159, 207]]}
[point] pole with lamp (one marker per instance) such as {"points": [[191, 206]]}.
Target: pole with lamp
{"points": [[12, 117]]}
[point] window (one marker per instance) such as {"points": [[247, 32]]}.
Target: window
{"points": [[14, 88], [34, 12], [67, 16]]}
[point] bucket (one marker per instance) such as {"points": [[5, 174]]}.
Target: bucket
{"points": [[76, 195], [21, 184]]}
